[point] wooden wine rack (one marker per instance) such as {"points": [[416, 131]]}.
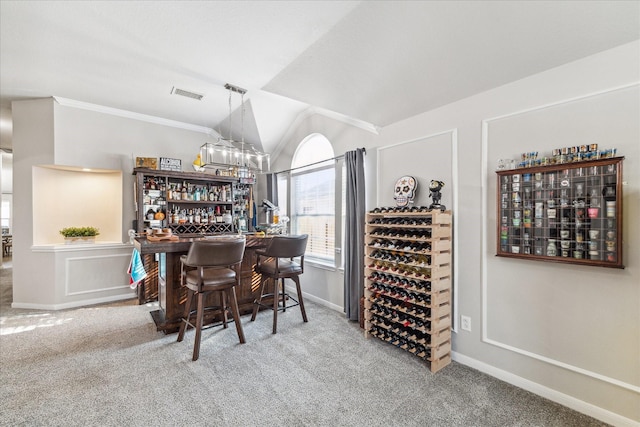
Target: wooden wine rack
{"points": [[407, 285]]}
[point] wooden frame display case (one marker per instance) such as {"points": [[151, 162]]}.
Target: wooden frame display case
{"points": [[188, 201], [570, 213], [407, 289]]}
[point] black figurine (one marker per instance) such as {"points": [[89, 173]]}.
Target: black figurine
{"points": [[434, 187]]}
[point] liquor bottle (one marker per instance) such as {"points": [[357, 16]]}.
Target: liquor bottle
{"points": [[242, 223], [226, 217], [212, 194], [197, 216], [184, 195]]}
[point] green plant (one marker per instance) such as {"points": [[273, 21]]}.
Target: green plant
{"points": [[79, 231]]}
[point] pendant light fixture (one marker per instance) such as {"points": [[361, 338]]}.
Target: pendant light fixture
{"points": [[242, 159]]}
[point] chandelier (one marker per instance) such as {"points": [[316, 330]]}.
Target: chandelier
{"points": [[229, 154]]}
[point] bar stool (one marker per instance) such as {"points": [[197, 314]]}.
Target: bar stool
{"points": [[211, 266], [278, 262]]}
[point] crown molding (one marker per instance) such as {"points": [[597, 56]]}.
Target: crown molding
{"points": [[134, 116]]}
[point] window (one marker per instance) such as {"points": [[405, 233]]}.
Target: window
{"points": [[313, 204]]}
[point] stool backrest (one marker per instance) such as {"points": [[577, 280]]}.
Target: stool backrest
{"points": [[287, 246], [217, 252]]}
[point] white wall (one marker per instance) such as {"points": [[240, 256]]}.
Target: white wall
{"points": [[47, 133], [6, 181], [595, 304]]}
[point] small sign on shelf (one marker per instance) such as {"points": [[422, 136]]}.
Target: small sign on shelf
{"points": [[167, 164]]}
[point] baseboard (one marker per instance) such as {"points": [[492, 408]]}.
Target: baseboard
{"points": [[546, 392], [317, 300], [74, 304]]}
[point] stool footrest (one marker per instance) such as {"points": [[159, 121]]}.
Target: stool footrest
{"points": [[285, 297], [207, 326]]}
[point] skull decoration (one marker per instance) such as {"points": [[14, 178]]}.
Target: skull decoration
{"points": [[405, 190]]}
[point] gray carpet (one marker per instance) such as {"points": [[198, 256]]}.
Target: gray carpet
{"points": [[108, 366]]}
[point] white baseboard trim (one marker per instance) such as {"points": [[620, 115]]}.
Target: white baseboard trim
{"points": [[546, 392], [74, 304], [325, 303]]}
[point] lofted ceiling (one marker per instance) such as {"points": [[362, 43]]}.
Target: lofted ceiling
{"points": [[372, 62]]}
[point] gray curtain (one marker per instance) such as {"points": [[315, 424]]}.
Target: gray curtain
{"points": [[354, 233], [272, 188]]}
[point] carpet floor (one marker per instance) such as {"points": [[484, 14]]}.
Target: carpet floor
{"points": [[107, 365]]}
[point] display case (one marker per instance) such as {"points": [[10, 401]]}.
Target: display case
{"points": [[188, 203], [569, 213], [407, 289]]}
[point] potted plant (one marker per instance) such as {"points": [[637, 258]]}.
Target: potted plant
{"points": [[79, 234]]}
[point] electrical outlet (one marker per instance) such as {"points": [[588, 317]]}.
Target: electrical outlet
{"points": [[465, 323]]}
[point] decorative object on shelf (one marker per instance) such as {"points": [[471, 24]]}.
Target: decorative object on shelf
{"points": [[167, 164], [405, 190], [567, 213], [578, 153], [434, 188], [79, 234], [226, 153], [197, 164], [147, 162]]}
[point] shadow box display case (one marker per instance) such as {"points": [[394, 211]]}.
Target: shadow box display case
{"points": [[569, 213]]}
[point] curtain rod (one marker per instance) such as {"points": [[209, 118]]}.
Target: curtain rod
{"points": [[316, 163]]}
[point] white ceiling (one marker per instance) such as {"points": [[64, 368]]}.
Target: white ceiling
{"points": [[373, 61]]}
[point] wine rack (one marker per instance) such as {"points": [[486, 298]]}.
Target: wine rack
{"points": [[407, 285]]}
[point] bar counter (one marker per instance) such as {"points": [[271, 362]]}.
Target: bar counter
{"points": [[162, 263]]}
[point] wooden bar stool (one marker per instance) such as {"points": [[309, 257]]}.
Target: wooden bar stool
{"points": [[213, 267], [282, 259]]}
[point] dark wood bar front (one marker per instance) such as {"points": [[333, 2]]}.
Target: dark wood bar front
{"points": [[166, 273]]}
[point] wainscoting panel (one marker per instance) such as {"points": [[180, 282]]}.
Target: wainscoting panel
{"points": [[96, 274]]}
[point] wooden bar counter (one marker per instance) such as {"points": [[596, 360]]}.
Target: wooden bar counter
{"points": [[166, 273]]}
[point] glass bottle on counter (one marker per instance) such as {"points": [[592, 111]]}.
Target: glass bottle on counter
{"points": [[242, 222]]}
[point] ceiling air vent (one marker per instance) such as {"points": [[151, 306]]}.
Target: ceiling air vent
{"points": [[188, 94]]}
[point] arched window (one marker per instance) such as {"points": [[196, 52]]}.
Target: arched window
{"points": [[313, 204]]}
